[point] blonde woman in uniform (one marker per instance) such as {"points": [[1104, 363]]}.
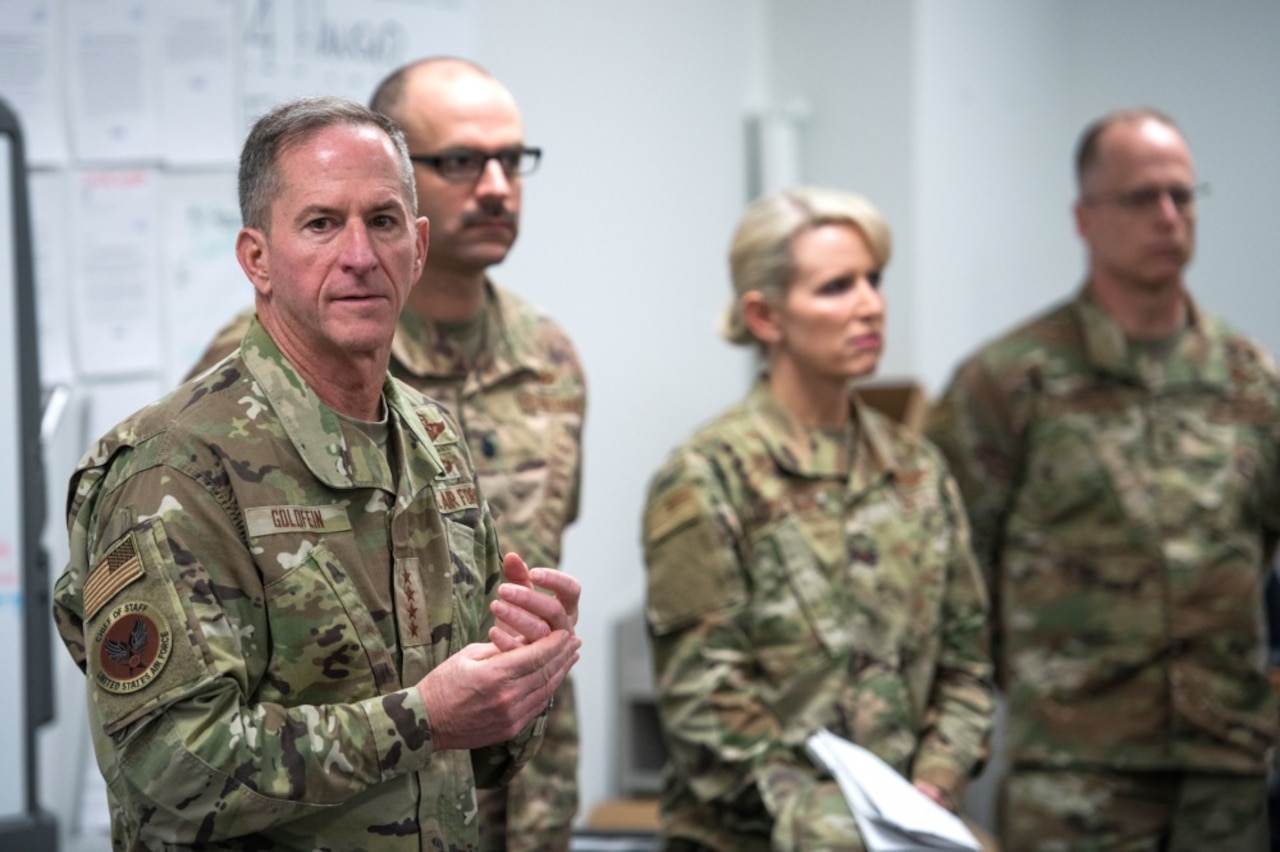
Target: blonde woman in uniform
{"points": [[808, 561]]}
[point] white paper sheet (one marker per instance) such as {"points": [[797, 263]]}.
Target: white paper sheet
{"points": [[293, 48], [204, 285], [50, 246], [197, 96], [115, 278], [891, 813], [114, 80], [31, 77]]}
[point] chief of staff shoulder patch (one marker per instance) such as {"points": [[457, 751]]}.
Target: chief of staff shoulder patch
{"points": [[133, 646]]}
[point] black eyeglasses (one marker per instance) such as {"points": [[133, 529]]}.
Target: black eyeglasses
{"points": [[1148, 198], [467, 164]]}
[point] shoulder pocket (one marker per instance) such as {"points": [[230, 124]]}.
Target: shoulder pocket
{"points": [[691, 563], [142, 651]]}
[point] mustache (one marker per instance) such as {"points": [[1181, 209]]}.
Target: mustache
{"points": [[489, 215]]}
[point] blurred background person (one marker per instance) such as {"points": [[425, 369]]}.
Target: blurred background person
{"points": [[808, 560], [1120, 461]]}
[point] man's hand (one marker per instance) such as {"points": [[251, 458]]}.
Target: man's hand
{"points": [[523, 613], [484, 695]]}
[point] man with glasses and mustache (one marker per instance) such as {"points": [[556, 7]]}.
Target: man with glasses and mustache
{"points": [[505, 370], [1120, 461]]}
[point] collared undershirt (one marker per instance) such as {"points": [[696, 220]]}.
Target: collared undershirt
{"points": [[377, 431]]}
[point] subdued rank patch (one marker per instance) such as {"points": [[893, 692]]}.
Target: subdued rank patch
{"points": [[433, 427], [669, 512], [118, 568], [133, 645], [455, 498], [266, 520]]}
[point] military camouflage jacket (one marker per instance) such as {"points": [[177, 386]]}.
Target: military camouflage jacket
{"points": [[254, 589], [1122, 504], [520, 407], [785, 595]]}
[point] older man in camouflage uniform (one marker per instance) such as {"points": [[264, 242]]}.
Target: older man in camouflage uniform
{"points": [[1120, 459], [506, 370], [283, 575]]}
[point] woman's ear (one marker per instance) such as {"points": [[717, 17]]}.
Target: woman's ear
{"points": [[760, 317]]}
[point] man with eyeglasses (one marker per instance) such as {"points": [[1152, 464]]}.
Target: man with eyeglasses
{"points": [[505, 370], [1120, 461]]}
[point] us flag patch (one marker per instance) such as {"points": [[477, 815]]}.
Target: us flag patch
{"points": [[118, 568]]}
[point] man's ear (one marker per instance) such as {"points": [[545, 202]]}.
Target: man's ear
{"points": [[1080, 213], [760, 317], [254, 255], [422, 229]]}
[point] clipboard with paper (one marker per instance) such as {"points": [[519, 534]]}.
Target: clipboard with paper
{"points": [[892, 815]]}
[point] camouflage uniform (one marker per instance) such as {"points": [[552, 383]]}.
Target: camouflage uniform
{"points": [[798, 580], [255, 587], [1123, 503], [521, 407]]}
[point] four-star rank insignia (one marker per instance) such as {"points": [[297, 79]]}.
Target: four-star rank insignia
{"points": [[134, 643]]}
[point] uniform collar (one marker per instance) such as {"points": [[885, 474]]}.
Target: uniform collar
{"points": [[338, 457], [1199, 357], [419, 350], [789, 444]]}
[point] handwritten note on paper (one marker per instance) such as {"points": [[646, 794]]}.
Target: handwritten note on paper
{"points": [[204, 284], [314, 47], [115, 277]]}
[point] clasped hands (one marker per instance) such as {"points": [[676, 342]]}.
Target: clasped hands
{"points": [[489, 691]]}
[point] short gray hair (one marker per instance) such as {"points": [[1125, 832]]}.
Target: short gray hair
{"points": [[293, 123], [760, 256], [1088, 148]]}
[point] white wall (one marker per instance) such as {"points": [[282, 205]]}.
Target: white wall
{"points": [[1215, 67], [960, 120], [624, 240], [992, 182], [851, 62]]}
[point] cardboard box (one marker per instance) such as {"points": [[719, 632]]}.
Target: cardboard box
{"points": [[903, 401], [638, 815]]}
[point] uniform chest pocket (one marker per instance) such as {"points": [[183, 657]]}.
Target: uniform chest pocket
{"points": [[325, 646], [1066, 473], [801, 616], [1205, 467]]}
